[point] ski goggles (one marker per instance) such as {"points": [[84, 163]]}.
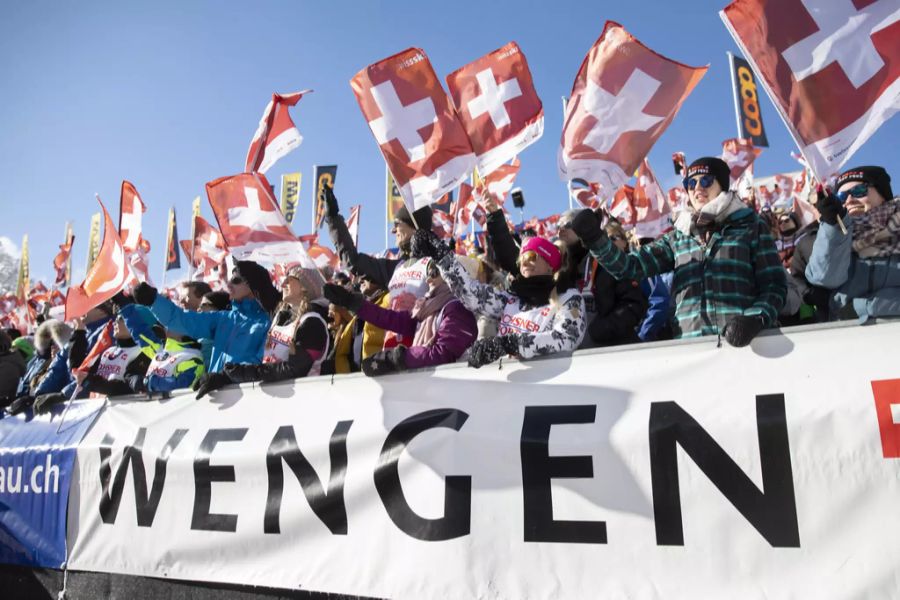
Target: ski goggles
{"points": [[705, 181], [857, 191]]}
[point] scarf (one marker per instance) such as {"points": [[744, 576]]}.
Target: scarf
{"points": [[877, 232], [533, 291], [426, 311], [704, 222]]}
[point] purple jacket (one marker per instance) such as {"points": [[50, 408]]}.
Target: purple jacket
{"points": [[456, 332]]}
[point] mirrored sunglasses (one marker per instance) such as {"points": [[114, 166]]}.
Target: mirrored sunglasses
{"points": [[705, 181], [857, 191]]}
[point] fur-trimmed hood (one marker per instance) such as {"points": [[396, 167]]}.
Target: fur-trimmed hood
{"points": [[52, 331]]}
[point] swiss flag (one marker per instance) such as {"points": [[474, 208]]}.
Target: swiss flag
{"points": [[131, 210], [442, 224], [586, 194], [622, 207], [61, 261], [498, 105], [650, 206], [831, 69], [109, 274], [208, 248], [739, 154], [424, 144], [624, 97], [500, 181], [353, 223], [677, 198], [251, 223], [276, 134]]}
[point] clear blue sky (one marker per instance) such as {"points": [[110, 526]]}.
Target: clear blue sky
{"points": [[168, 94]]}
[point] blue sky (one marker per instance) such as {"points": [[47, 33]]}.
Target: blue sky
{"points": [[168, 95]]}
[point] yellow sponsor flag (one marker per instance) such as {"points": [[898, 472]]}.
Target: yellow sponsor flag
{"points": [[23, 283], [290, 195], [394, 199], [93, 242]]}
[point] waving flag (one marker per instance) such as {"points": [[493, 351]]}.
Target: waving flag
{"points": [[63, 260], [322, 176], [276, 134], [23, 281], [621, 207], [173, 258], [650, 205], [498, 105], [208, 245], [624, 97], [831, 69], [500, 181], [585, 194], [738, 154], [423, 142], [353, 224], [109, 274], [250, 222], [131, 210]]}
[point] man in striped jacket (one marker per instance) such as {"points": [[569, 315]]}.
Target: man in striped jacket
{"points": [[727, 277]]}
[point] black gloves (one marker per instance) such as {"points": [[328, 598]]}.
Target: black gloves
{"points": [[120, 300], [242, 373], [829, 207], [209, 382], [331, 204], [43, 402], [144, 293], [341, 296], [741, 330], [487, 350], [20, 404], [426, 244], [384, 362], [588, 226]]}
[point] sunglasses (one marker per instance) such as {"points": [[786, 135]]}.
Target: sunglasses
{"points": [[857, 191], [616, 238], [705, 181]]}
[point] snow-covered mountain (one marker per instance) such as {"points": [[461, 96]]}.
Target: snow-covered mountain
{"points": [[9, 265]]}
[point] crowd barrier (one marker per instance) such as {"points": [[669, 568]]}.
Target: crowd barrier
{"points": [[680, 469]]}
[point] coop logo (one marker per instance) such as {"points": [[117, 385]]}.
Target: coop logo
{"points": [[887, 408]]}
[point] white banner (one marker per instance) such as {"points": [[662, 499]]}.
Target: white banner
{"points": [[686, 470]]}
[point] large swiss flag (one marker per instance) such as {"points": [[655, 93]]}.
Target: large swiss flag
{"points": [[831, 68], [425, 145], [624, 97], [498, 105]]}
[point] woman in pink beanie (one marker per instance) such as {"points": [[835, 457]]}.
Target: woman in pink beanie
{"points": [[533, 318]]}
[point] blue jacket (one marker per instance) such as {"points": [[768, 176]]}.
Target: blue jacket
{"points": [[238, 334], [871, 285], [658, 314], [59, 376]]}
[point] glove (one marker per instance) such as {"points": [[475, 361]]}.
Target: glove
{"points": [[588, 226], [210, 382], [829, 207], [741, 330], [384, 362], [426, 244], [20, 404], [120, 300], [43, 402], [144, 293], [341, 296], [487, 350], [241, 372], [331, 204]]}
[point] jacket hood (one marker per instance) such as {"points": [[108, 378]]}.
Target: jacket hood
{"points": [[52, 331]]}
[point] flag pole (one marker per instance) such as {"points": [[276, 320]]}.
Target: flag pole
{"points": [[387, 206]]}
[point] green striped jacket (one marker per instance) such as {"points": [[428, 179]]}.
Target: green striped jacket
{"points": [[737, 273]]}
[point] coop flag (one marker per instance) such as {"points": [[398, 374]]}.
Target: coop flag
{"points": [[173, 258], [394, 199], [831, 68], [624, 96], [276, 135], [498, 106], [93, 241], [322, 176], [290, 195], [419, 133], [746, 102], [109, 274]]}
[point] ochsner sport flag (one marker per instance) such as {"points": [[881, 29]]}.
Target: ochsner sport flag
{"points": [[831, 69]]}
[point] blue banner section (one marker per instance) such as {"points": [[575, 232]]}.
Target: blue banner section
{"points": [[37, 454]]}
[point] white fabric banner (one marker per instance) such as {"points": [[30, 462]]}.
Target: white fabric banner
{"points": [[670, 471]]}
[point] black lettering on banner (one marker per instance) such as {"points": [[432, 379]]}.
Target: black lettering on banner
{"points": [[772, 512], [145, 504], [456, 521], [328, 505], [539, 468], [205, 475]]}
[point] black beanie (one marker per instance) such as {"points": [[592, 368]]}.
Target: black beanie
{"points": [[710, 165], [422, 215], [877, 177], [260, 282]]}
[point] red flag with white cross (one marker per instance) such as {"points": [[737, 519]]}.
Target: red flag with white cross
{"points": [[625, 95], [498, 105], [131, 211], [276, 135], [739, 154], [251, 222], [621, 207], [419, 133], [830, 67], [650, 206], [500, 181]]}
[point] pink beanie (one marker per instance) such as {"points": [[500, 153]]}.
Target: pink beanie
{"points": [[545, 249]]}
